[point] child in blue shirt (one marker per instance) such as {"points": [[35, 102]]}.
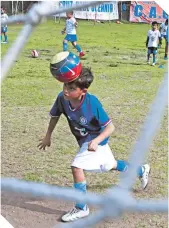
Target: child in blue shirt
{"points": [[92, 127]]}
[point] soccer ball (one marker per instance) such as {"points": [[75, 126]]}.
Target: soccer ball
{"points": [[35, 54], [65, 66]]}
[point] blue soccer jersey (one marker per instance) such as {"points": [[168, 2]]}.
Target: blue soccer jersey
{"points": [[87, 121]]}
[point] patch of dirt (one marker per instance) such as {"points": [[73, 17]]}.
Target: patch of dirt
{"points": [[29, 212]]}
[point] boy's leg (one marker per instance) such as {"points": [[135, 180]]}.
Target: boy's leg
{"points": [[74, 44], [80, 210], [154, 60], [79, 183], [78, 48], [6, 37], [123, 166], [148, 55], [142, 172], [166, 51], [65, 45], [1, 33], [154, 57]]}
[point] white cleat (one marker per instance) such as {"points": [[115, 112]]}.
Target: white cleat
{"points": [[148, 62], [153, 64], [75, 214], [144, 178]]}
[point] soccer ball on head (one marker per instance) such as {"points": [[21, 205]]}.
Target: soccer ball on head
{"points": [[65, 66], [34, 54]]}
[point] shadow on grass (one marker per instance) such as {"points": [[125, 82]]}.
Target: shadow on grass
{"points": [[24, 201], [84, 58], [113, 65], [101, 187], [135, 64]]}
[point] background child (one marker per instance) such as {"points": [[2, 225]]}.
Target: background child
{"points": [[4, 28], [153, 39], [166, 46], [91, 126], [71, 36], [163, 31]]}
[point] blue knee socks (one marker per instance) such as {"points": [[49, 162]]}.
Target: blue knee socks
{"points": [[81, 186], [154, 58], [78, 48], [122, 166], [6, 38], [65, 46]]}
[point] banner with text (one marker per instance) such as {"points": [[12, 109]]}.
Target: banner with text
{"points": [[147, 12], [107, 11]]}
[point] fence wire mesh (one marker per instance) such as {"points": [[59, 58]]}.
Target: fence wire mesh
{"points": [[116, 200]]}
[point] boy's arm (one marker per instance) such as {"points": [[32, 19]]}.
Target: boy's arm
{"points": [[147, 41], [102, 120], [103, 135], [160, 39], [46, 141], [52, 124], [160, 28], [76, 24], [64, 30], [148, 37]]}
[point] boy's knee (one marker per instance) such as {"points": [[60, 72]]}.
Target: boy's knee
{"points": [[114, 165], [109, 166], [75, 170], [65, 41]]}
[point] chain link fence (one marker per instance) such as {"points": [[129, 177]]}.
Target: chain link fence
{"points": [[116, 200]]}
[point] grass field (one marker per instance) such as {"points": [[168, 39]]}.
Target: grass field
{"points": [[124, 83]]}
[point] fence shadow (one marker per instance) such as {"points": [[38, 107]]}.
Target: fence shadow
{"points": [[27, 202]]}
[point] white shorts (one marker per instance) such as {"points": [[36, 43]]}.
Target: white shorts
{"points": [[101, 160]]}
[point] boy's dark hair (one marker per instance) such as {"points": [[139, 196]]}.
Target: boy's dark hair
{"points": [[154, 23], [71, 12], [84, 80]]}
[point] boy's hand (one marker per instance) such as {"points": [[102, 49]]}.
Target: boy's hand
{"points": [[46, 141], [93, 145], [62, 32]]}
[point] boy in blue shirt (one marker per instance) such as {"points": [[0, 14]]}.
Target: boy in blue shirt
{"points": [[92, 127], [70, 29]]}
